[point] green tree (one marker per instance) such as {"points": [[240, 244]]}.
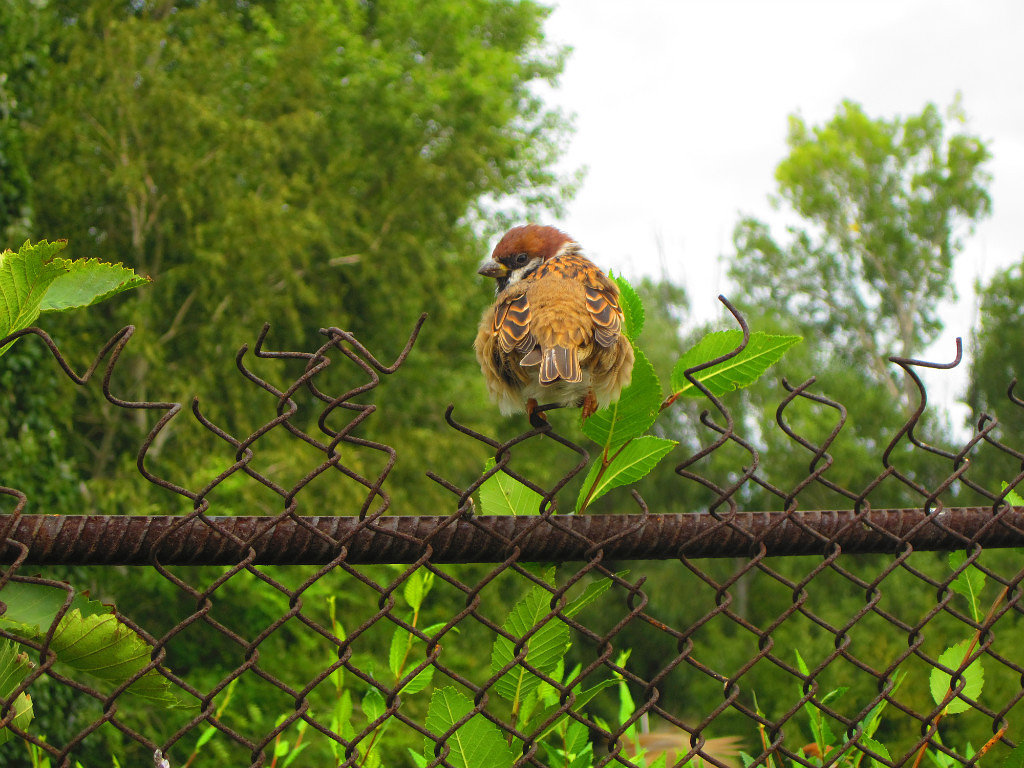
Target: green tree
{"points": [[302, 164], [20, 55], [333, 167], [884, 205], [998, 344]]}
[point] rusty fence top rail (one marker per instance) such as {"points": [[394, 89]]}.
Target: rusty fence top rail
{"points": [[294, 540]]}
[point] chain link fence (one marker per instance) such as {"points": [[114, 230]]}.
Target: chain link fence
{"points": [[369, 636]]}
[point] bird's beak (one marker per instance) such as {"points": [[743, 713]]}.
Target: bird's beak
{"points": [[492, 268]]}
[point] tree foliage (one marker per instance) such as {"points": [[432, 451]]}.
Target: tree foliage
{"points": [[998, 346], [884, 206], [298, 164]]}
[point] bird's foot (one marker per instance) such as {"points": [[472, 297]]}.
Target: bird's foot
{"points": [[535, 414], [589, 405]]}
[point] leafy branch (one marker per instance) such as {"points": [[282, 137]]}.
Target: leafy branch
{"points": [[628, 453], [36, 279]]}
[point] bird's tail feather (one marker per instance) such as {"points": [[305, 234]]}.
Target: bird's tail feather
{"points": [[560, 363]]}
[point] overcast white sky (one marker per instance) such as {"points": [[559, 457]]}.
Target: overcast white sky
{"points": [[681, 110]]}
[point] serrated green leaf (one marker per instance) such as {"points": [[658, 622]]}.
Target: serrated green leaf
{"points": [[632, 308], [418, 586], [1014, 498], [801, 665], [877, 747], [88, 282], [629, 465], [101, 646], [592, 591], [373, 704], [973, 677], [584, 759], [545, 648], [31, 608], [477, 743], [577, 737], [25, 277], [635, 411], [400, 645], [581, 700], [969, 582], [834, 694], [14, 667], [342, 719], [501, 494], [423, 679], [762, 351]]}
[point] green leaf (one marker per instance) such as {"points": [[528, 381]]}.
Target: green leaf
{"points": [[14, 667], [820, 730], [373, 704], [634, 412], [877, 747], [1014, 498], [628, 466], [582, 697], [1015, 759], [25, 277], [592, 591], [632, 308], [762, 351], [584, 759], [969, 582], [477, 743], [31, 608], [577, 737], [101, 646], [501, 494], [423, 679], [341, 720], [36, 279], [545, 648], [401, 642], [417, 586], [973, 677], [88, 282]]}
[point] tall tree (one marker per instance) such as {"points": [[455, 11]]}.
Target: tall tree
{"points": [[998, 351], [303, 165], [884, 205]]}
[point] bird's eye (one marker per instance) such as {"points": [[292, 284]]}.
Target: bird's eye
{"points": [[520, 259]]}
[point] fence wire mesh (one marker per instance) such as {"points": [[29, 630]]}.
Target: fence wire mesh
{"points": [[646, 634]]}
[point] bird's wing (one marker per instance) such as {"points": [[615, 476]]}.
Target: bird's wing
{"points": [[605, 313], [512, 325]]}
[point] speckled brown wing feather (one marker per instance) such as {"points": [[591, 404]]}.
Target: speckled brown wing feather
{"points": [[606, 314], [512, 325]]}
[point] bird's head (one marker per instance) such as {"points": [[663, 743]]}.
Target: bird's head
{"points": [[520, 251]]}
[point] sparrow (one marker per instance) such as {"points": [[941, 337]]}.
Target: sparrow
{"points": [[553, 335]]}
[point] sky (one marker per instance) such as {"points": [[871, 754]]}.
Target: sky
{"points": [[681, 109]]}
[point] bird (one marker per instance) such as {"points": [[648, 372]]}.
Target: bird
{"points": [[554, 334]]}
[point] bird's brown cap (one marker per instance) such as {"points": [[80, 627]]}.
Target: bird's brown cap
{"points": [[534, 239]]}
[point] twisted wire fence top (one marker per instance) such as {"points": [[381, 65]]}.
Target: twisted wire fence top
{"points": [[500, 551]]}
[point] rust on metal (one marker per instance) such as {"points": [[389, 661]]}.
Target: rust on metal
{"points": [[170, 540]]}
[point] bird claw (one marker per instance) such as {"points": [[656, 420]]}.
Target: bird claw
{"points": [[589, 405], [536, 416]]}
